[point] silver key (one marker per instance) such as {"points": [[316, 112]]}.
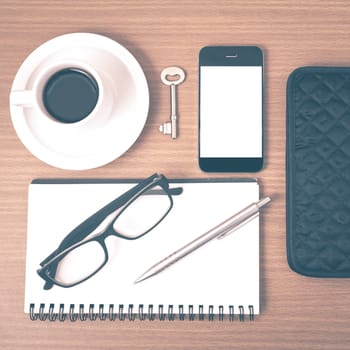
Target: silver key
{"points": [[172, 76]]}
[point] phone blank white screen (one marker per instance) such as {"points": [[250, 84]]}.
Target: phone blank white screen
{"points": [[230, 112]]}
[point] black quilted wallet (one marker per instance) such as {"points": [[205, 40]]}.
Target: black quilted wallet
{"points": [[318, 171]]}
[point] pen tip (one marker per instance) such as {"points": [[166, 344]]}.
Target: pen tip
{"points": [[143, 277], [140, 279]]}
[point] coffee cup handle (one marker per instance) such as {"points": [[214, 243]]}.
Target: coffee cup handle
{"points": [[24, 98]]}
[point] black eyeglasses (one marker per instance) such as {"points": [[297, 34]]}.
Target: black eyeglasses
{"points": [[83, 252]]}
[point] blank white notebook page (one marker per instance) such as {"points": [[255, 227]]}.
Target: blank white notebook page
{"points": [[222, 273]]}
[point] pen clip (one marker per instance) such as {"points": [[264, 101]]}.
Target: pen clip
{"points": [[229, 231]]}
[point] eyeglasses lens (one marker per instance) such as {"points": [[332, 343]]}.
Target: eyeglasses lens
{"points": [[80, 263], [143, 213]]}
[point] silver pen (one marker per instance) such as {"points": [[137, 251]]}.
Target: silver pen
{"points": [[220, 231]]}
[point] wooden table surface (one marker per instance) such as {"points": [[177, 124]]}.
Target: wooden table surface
{"points": [[297, 312]]}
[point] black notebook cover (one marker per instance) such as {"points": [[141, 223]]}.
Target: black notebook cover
{"points": [[318, 171]]}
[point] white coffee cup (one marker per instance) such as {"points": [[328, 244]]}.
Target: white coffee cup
{"points": [[67, 92]]}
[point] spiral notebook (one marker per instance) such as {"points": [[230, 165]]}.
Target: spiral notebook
{"points": [[218, 281]]}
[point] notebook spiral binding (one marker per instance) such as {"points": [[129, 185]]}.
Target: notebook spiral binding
{"points": [[132, 313]]}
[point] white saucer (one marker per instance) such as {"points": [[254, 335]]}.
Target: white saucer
{"points": [[82, 147]]}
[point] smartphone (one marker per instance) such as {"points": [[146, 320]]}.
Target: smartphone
{"points": [[230, 109]]}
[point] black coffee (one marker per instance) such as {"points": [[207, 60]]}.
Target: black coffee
{"points": [[70, 95]]}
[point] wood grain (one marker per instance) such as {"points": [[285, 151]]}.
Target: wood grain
{"points": [[297, 312]]}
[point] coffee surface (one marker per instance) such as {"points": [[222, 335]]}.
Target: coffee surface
{"points": [[70, 95]]}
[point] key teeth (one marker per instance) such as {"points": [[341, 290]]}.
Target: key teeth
{"points": [[165, 128]]}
